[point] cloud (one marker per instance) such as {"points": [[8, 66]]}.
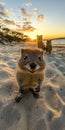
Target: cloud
{"points": [[18, 26], [2, 3], [2, 6], [4, 14], [9, 22], [36, 10], [27, 19], [28, 28], [26, 23], [28, 4], [1, 21], [40, 17], [24, 12], [3, 10]]}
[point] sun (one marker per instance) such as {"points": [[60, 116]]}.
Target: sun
{"points": [[32, 36]]}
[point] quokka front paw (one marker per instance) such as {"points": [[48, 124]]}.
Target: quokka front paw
{"points": [[36, 95], [37, 89], [21, 90], [18, 98]]}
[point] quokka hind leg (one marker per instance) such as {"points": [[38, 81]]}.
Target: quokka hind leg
{"points": [[37, 89], [35, 92], [49, 51], [19, 97]]}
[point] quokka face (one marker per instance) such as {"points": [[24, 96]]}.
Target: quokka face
{"points": [[31, 59], [39, 38]]}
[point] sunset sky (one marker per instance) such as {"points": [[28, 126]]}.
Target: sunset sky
{"points": [[34, 17]]}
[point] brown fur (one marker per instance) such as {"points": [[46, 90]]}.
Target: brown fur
{"points": [[40, 42], [30, 78], [48, 47]]}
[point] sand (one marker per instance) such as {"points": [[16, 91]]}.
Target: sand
{"points": [[45, 113]]}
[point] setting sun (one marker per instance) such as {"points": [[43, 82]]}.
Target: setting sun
{"points": [[32, 36]]}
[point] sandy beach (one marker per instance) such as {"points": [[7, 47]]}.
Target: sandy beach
{"points": [[45, 113]]}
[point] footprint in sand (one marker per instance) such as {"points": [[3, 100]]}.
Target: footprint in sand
{"points": [[8, 117], [61, 92], [4, 75], [11, 64], [50, 73], [9, 89], [41, 125], [62, 68], [58, 123], [5, 58], [49, 115], [1, 103], [51, 98], [56, 64]]}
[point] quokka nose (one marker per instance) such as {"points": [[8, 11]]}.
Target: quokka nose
{"points": [[32, 65]]}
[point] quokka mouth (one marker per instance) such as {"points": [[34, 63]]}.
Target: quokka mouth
{"points": [[32, 70]]}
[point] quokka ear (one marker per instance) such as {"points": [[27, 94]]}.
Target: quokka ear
{"points": [[41, 35], [22, 50]]}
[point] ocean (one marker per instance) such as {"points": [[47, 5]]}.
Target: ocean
{"points": [[58, 41]]}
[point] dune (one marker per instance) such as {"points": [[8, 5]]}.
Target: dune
{"points": [[45, 113]]}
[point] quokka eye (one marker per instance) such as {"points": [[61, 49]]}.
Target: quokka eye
{"points": [[39, 58], [25, 57]]}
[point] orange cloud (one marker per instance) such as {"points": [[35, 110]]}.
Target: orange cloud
{"points": [[24, 12], [28, 28], [9, 22], [4, 14], [40, 17]]}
